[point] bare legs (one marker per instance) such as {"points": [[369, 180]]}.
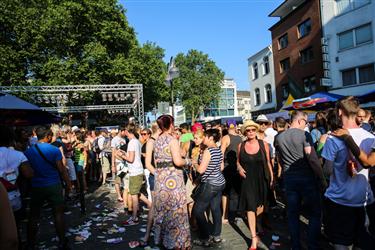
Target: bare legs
{"points": [[224, 202]]}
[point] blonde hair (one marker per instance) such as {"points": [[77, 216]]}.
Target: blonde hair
{"points": [[55, 129]]}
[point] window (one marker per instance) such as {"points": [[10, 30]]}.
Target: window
{"points": [[266, 65], [363, 34], [309, 84], [307, 55], [284, 65], [268, 91], [257, 97], [283, 41], [285, 91], [349, 77], [255, 71], [355, 37], [366, 73], [304, 28], [343, 6]]}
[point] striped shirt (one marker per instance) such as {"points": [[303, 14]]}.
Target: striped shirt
{"points": [[213, 174]]}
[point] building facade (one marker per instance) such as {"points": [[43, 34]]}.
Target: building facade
{"points": [[262, 82], [244, 104], [297, 49], [348, 45], [226, 105]]}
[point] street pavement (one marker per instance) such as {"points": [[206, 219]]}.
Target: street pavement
{"points": [[104, 217]]}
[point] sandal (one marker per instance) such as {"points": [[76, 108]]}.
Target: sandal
{"points": [[120, 200], [134, 244], [143, 243], [202, 243]]}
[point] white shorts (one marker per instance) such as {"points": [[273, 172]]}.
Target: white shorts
{"points": [[71, 169]]}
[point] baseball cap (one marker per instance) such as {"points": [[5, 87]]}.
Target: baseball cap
{"points": [[75, 128], [231, 123]]}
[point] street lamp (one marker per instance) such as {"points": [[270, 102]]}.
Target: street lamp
{"points": [[173, 72]]}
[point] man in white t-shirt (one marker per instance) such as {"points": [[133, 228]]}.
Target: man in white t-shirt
{"points": [[12, 163], [119, 166], [136, 174], [349, 191]]}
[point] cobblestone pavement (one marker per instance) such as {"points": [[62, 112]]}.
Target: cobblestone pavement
{"points": [[104, 217]]}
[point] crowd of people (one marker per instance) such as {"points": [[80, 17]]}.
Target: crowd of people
{"points": [[189, 177]]}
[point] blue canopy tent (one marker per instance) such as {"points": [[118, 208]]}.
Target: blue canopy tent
{"points": [[368, 97], [17, 112], [317, 101]]}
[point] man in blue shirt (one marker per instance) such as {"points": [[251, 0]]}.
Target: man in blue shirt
{"points": [[46, 161]]}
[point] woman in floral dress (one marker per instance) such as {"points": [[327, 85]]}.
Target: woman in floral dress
{"points": [[171, 223]]}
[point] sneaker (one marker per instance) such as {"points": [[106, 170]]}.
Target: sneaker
{"points": [[131, 222], [215, 239]]}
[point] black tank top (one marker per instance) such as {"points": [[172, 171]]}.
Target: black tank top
{"points": [[231, 151]]}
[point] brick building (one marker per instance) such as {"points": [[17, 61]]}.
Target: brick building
{"points": [[297, 50]]}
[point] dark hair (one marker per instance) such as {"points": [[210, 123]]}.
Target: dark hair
{"points": [[321, 120], [43, 132], [80, 136], [165, 122], [215, 133], [333, 120], [184, 126], [280, 122], [147, 130], [6, 136], [132, 129]]}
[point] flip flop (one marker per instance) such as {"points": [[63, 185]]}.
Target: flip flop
{"points": [[120, 200], [134, 244]]}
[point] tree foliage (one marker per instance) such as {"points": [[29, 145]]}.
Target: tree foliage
{"points": [[70, 42], [199, 83]]}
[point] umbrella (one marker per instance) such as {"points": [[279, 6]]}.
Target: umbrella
{"points": [[17, 112], [368, 97], [317, 101]]}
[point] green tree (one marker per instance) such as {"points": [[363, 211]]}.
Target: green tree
{"points": [[70, 42], [199, 82]]}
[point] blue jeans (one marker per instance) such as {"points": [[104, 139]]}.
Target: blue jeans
{"points": [[298, 189], [209, 198]]}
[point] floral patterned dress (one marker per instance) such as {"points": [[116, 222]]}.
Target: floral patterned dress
{"points": [[171, 223]]}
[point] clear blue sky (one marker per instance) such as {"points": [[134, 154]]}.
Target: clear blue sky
{"points": [[228, 31]]}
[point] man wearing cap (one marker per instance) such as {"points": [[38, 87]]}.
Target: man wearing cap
{"points": [[229, 146]]}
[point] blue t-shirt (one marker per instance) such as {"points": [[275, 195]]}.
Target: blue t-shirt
{"points": [[44, 173], [343, 189]]}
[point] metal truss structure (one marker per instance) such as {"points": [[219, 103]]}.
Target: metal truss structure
{"points": [[135, 90]]}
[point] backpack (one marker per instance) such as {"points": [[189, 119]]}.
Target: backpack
{"points": [[95, 146], [107, 145]]}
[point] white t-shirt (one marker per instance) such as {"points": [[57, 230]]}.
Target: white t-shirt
{"points": [[116, 142], [270, 134], [345, 190], [136, 167], [10, 161]]}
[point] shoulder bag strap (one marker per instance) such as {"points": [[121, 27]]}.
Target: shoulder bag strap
{"points": [[44, 157]]}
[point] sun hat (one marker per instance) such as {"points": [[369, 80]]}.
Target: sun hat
{"points": [[249, 123], [262, 118]]}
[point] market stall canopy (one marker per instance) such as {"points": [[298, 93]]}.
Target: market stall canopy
{"points": [[368, 97], [17, 112], [317, 101]]}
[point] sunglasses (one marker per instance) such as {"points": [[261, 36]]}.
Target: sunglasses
{"points": [[251, 130], [144, 134], [263, 123]]}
